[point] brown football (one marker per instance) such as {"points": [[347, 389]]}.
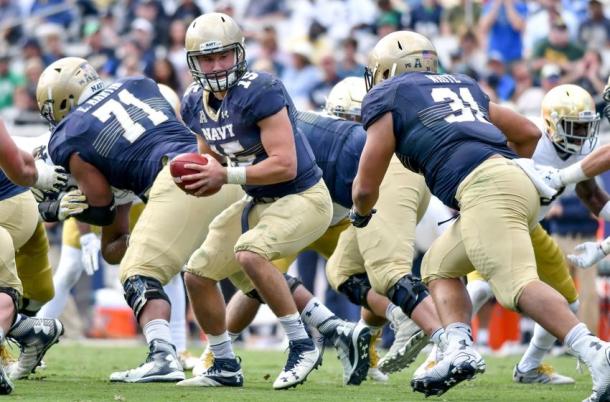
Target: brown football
{"points": [[177, 169]]}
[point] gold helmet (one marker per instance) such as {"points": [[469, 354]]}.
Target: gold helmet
{"points": [[65, 84], [570, 119], [171, 97], [397, 53], [345, 99], [215, 33]]}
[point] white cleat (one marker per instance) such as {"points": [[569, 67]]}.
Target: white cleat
{"points": [[161, 365], [409, 340], [303, 357], [222, 373], [205, 361], [599, 367], [543, 374], [187, 360]]}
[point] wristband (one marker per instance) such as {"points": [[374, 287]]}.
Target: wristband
{"points": [[572, 174], [236, 175], [605, 212]]}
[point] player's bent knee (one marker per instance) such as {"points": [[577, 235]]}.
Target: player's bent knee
{"points": [[15, 297], [140, 289], [407, 293], [356, 287]]}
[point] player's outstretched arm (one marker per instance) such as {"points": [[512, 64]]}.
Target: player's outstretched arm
{"points": [[589, 253], [594, 164], [18, 165], [378, 150], [596, 199], [521, 132]]}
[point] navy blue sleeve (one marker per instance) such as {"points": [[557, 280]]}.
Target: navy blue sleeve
{"points": [[263, 98], [64, 141], [188, 107], [377, 103]]}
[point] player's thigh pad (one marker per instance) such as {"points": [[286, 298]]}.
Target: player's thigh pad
{"points": [[170, 228], [553, 269], [288, 225], [33, 267], [498, 209]]}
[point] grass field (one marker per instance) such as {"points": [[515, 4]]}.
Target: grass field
{"points": [[78, 372]]}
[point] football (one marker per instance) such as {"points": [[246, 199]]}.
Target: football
{"points": [[177, 169]]}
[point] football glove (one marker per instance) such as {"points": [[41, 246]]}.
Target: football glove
{"points": [[358, 220], [50, 178], [588, 253], [551, 176], [90, 247], [69, 204]]}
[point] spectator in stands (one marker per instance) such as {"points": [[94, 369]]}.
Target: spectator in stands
{"points": [[153, 12], [472, 57], [527, 97], [594, 32], [101, 57], [11, 21], [187, 11], [550, 77], [540, 22], [53, 11], [350, 65], [51, 37], [460, 17], [319, 92], [558, 49], [9, 81], [498, 78], [387, 23], [587, 74], [503, 23], [142, 33], [426, 18], [300, 75], [109, 29], [165, 73], [175, 51], [131, 60], [267, 54]]}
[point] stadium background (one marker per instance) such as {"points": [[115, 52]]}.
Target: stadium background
{"points": [[517, 54]]}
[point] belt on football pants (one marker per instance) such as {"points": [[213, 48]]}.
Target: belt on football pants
{"points": [[248, 207]]}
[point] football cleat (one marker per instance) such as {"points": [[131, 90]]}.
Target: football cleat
{"points": [[352, 342], [161, 365], [374, 373], [409, 340], [204, 362], [222, 373], [303, 357], [6, 385], [435, 356], [34, 336], [543, 374], [187, 360], [599, 367], [461, 364]]}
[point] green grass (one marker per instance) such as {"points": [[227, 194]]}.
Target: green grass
{"points": [[78, 372]]}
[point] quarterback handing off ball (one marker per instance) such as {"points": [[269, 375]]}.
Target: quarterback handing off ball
{"points": [[177, 169]]}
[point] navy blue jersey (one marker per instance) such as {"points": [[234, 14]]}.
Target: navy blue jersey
{"points": [[441, 124], [127, 132], [337, 145], [233, 129], [9, 189]]}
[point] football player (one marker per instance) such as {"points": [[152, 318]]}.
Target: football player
{"points": [[249, 119], [337, 144], [441, 126], [122, 135], [570, 133], [18, 224]]}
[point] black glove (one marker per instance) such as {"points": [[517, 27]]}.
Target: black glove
{"points": [[358, 220]]}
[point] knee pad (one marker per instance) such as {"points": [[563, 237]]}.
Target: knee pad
{"points": [[292, 282], [356, 287], [253, 294], [140, 289], [407, 293]]}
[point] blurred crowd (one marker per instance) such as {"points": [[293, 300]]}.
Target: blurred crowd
{"points": [[516, 49]]}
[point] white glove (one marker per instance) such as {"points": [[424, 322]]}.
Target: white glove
{"points": [[551, 176], [50, 178], [72, 203], [90, 249], [589, 253]]}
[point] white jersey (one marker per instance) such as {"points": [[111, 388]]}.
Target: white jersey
{"points": [[546, 154]]}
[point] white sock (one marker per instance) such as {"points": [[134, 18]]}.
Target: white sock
{"points": [[177, 323], [157, 329], [483, 336], [542, 341], [388, 312], [220, 345], [479, 292], [578, 339], [233, 336], [458, 333], [293, 327], [317, 315], [435, 338], [67, 274]]}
